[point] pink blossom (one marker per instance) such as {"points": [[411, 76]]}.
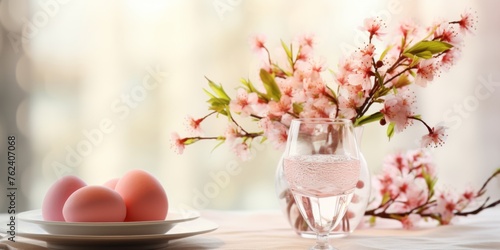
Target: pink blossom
{"points": [[280, 108], [449, 57], [318, 65], [341, 78], [408, 28], [346, 65], [306, 44], [258, 42], [466, 22], [368, 51], [445, 33], [304, 54], [178, 143], [318, 107], [401, 182], [398, 109], [446, 205], [361, 71], [416, 192], [436, 136], [468, 196], [232, 132], [299, 95], [421, 162], [345, 109], [286, 119], [362, 79], [242, 150], [314, 85], [194, 125], [397, 162], [243, 102], [373, 26], [265, 124], [348, 106], [386, 182], [426, 71], [277, 133], [286, 85], [306, 40], [410, 221]]}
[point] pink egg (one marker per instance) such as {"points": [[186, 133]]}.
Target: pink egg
{"points": [[57, 195], [94, 204], [144, 196], [111, 183]]}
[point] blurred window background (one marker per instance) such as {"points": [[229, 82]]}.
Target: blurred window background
{"points": [[95, 88]]}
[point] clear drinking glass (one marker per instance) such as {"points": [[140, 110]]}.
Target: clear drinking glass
{"points": [[322, 165]]}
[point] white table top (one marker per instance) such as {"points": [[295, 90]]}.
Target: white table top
{"points": [[269, 230]]}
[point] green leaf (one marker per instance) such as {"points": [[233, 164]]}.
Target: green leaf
{"points": [[367, 119], [372, 220], [426, 49], [385, 198], [390, 130], [380, 79], [263, 139], [219, 100], [413, 73], [402, 81], [383, 91], [423, 55], [287, 50], [289, 53], [297, 108], [209, 94], [384, 53], [272, 89], [218, 90], [219, 105], [251, 88]]}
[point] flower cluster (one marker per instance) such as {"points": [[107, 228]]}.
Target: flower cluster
{"points": [[405, 191], [369, 85]]}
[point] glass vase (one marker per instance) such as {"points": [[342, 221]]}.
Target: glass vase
{"points": [[356, 209]]}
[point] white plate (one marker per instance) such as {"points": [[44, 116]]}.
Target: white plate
{"points": [[123, 242], [107, 228]]}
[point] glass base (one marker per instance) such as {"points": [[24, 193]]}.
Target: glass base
{"points": [[322, 243], [328, 247], [332, 235]]}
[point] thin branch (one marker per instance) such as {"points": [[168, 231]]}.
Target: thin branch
{"points": [[479, 209]]}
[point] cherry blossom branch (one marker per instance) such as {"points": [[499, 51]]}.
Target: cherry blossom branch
{"points": [[199, 138], [431, 208], [422, 121], [479, 209], [361, 81], [209, 114], [397, 75], [483, 188], [238, 125]]}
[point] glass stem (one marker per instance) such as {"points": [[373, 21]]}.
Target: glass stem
{"points": [[322, 240]]}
